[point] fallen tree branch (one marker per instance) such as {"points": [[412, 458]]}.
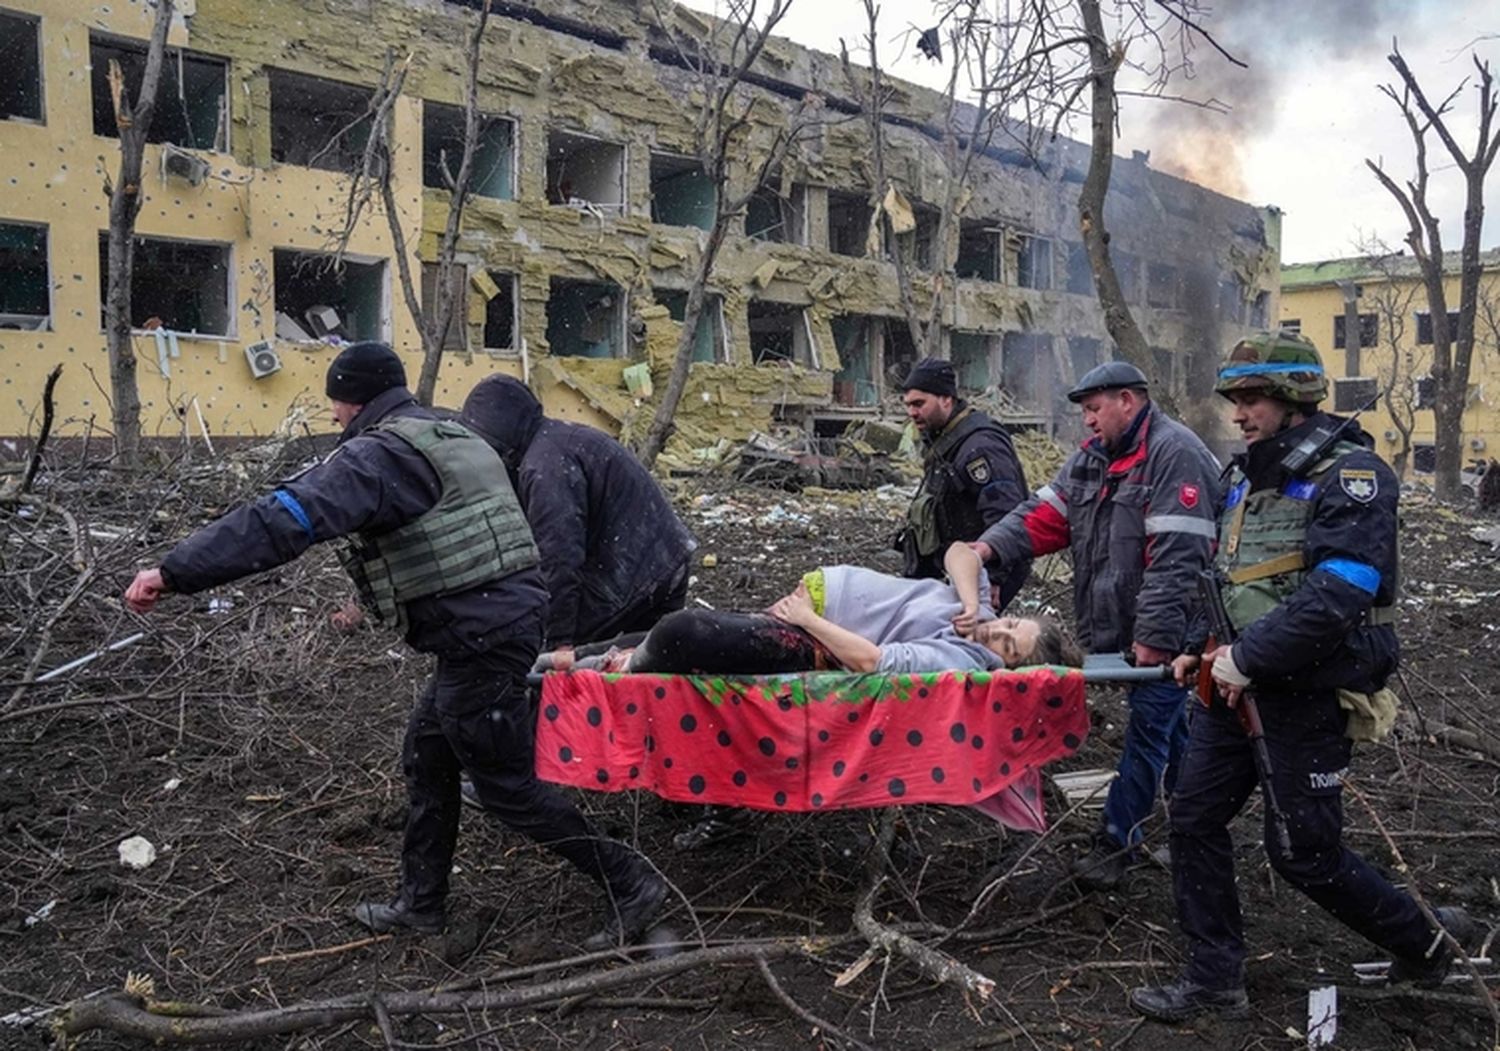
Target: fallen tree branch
{"points": [[327, 950], [826, 1027], [41, 439]]}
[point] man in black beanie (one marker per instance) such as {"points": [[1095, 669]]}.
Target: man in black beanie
{"points": [[971, 478], [438, 549]]}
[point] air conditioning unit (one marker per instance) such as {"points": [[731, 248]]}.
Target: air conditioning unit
{"points": [[262, 359], [185, 166], [1390, 434]]}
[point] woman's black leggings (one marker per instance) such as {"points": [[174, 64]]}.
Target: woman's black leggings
{"points": [[724, 643]]}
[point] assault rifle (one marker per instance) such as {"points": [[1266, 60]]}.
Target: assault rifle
{"points": [[1222, 632]]}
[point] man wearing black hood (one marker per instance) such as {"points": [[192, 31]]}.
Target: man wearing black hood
{"points": [[613, 552], [439, 550]]}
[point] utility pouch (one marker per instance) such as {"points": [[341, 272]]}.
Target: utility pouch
{"points": [[1370, 715], [922, 526]]}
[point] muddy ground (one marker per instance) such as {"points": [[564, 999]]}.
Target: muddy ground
{"points": [[257, 750]]}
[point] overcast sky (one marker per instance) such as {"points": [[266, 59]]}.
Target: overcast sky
{"points": [[1304, 117]]}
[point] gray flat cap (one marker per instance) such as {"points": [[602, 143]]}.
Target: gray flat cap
{"points": [[1112, 375]]}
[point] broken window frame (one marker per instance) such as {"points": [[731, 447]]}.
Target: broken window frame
{"points": [[343, 150], [25, 320], [22, 20], [145, 289], [713, 310], [791, 208], [619, 343], [1424, 327], [456, 339], [667, 166], [506, 280], [992, 352], [443, 114], [993, 233], [848, 242], [168, 117], [1032, 272], [1369, 330], [1355, 393], [318, 258], [804, 347], [616, 207], [856, 385]]}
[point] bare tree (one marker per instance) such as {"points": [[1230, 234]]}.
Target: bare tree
{"points": [[719, 61], [1398, 358], [373, 177], [1452, 352], [133, 122]]}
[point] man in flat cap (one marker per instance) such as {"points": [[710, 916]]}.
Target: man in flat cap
{"points": [[440, 551], [1135, 506], [971, 478]]}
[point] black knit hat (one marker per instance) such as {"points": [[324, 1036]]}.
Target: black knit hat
{"points": [[933, 375], [363, 371]]}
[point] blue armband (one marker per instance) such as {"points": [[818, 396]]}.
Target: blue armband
{"points": [[1361, 574], [288, 501]]}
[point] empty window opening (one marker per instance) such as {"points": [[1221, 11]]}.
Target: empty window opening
{"points": [[456, 336], [976, 359], [854, 384], [585, 171], [1424, 457], [1294, 324], [898, 352], [708, 337], [775, 218], [978, 251], [779, 333], [318, 123], [20, 67], [1369, 330], [177, 285], [1080, 271], [1163, 290], [848, 222], [1084, 353], [586, 319], [493, 169], [315, 299], [1354, 394], [681, 194], [191, 100], [1034, 262], [1232, 299], [1424, 327], [1026, 370], [919, 243], [25, 288], [501, 318]]}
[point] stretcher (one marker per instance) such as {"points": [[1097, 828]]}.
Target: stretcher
{"points": [[822, 740]]}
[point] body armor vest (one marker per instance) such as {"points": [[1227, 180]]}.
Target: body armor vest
{"points": [[942, 512], [474, 533], [1261, 540]]}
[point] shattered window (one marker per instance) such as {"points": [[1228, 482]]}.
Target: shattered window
{"points": [[976, 359], [501, 310], [854, 384], [776, 219], [978, 250], [178, 285], [1034, 263], [1354, 394], [1369, 330], [317, 300], [25, 288], [708, 339], [20, 67], [456, 337], [848, 222], [494, 165], [1026, 370], [318, 123], [584, 171], [899, 352], [779, 333], [191, 101], [681, 194], [1424, 326], [586, 319]]}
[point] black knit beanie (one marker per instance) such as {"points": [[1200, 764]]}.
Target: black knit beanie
{"points": [[933, 375], [363, 371]]}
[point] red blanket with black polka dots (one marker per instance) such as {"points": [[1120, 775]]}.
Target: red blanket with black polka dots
{"points": [[823, 740]]}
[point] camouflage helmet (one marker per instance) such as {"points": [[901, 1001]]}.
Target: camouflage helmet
{"points": [[1282, 365]]}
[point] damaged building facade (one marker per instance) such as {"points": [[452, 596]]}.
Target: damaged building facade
{"points": [[581, 238]]}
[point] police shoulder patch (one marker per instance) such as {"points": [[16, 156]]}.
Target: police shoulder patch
{"points": [[979, 469], [1358, 484]]}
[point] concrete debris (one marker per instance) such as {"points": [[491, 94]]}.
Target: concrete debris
{"points": [[137, 852]]}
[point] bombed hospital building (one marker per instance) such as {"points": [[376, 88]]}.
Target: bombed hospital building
{"points": [[582, 235]]}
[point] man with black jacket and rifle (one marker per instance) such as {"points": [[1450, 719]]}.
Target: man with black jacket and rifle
{"points": [[1305, 569]]}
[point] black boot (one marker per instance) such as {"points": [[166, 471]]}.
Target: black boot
{"points": [[1103, 867], [631, 910], [382, 918], [1185, 999], [1428, 972]]}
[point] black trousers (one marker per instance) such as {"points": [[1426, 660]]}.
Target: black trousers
{"points": [[1309, 755], [668, 597], [477, 716], [719, 641]]}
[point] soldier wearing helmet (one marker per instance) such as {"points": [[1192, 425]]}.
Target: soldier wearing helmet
{"points": [[1134, 506], [1306, 559]]}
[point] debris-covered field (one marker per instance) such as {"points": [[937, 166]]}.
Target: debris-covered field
{"points": [[255, 750]]}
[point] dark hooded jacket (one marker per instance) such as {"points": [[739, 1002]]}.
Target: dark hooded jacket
{"points": [[608, 538], [374, 482]]}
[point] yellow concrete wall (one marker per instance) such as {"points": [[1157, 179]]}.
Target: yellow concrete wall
{"points": [[1317, 305]]}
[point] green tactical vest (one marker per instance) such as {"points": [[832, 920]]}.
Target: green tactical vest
{"points": [[1261, 540], [474, 533]]}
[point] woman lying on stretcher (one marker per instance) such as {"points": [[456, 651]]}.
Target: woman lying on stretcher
{"points": [[845, 617]]}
